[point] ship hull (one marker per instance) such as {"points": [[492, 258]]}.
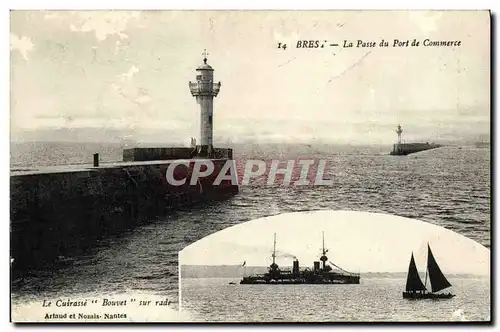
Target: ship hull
{"points": [[421, 296], [299, 283], [258, 281]]}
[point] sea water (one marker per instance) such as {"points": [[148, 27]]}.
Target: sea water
{"points": [[374, 299]]}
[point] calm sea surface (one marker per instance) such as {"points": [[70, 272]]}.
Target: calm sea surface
{"points": [[374, 299], [449, 186]]}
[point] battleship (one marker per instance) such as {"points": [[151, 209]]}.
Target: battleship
{"points": [[403, 149], [320, 273], [416, 289]]}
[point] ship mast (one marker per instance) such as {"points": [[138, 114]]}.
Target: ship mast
{"points": [[323, 234], [274, 249], [274, 267], [323, 258]]}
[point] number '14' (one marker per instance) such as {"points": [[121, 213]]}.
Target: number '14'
{"points": [[283, 46]]}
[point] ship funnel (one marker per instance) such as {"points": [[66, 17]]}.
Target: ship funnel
{"points": [[316, 266], [295, 269]]}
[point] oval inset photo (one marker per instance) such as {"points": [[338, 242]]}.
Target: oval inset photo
{"points": [[335, 266]]}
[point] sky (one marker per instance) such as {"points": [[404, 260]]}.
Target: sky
{"points": [[124, 75], [356, 241]]}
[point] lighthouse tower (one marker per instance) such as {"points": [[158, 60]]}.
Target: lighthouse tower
{"points": [[204, 89], [399, 131]]}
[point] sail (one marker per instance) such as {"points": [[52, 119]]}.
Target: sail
{"points": [[413, 282], [436, 277]]}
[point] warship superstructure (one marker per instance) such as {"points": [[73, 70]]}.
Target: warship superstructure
{"points": [[320, 273]]}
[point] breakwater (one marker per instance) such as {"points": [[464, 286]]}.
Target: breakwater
{"points": [[57, 211], [403, 149]]}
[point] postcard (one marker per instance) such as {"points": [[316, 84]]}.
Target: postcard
{"points": [[250, 166]]}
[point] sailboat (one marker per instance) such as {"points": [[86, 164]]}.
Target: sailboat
{"points": [[416, 289]]}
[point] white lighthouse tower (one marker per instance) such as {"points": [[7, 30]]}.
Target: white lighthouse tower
{"points": [[204, 89]]}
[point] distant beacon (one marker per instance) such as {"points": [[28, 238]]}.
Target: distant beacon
{"points": [[399, 131], [204, 89]]}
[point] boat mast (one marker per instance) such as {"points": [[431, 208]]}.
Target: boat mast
{"points": [[426, 269]]}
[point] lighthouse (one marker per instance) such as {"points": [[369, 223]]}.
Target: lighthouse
{"points": [[204, 90], [399, 131]]}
